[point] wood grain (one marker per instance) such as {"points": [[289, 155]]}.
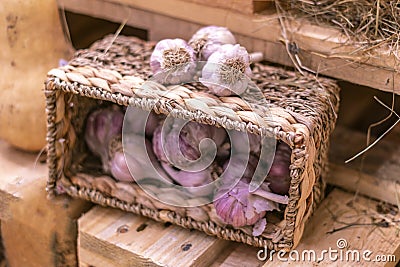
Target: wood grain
{"points": [[110, 237], [337, 210], [16, 167], [378, 176], [36, 231], [241, 6]]}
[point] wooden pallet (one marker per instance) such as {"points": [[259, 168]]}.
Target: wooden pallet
{"points": [[35, 231], [110, 238], [320, 49]]}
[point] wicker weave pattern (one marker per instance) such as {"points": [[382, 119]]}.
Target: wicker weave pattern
{"points": [[301, 113]]}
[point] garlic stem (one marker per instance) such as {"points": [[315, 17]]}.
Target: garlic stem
{"points": [[271, 196], [256, 57]]}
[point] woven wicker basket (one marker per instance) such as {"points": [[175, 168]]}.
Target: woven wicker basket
{"points": [[303, 111]]}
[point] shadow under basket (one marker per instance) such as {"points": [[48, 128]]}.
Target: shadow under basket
{"points": [[301, 113]]}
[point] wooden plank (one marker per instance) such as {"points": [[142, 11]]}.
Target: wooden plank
{"points": [[35, 231], [337, 211], [242, 6], [15, 166], [364, 184], [340, 210], [240, 256], [110, 237], [381, 161], [320, 49], [379, 177]]}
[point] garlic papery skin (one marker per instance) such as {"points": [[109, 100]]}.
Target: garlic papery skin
{"points": [[119, 169], [102, 126], [238, 207], [238, 166], [141, 122], [187, 145], [134, 160], [187, 178], [279, 174], [172, 62], [208, 39], [245, 142], [227, 71]]}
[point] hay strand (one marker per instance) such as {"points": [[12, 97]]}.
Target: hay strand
{"points": [[365, 22]]}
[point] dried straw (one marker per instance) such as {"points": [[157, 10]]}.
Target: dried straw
{"points": [[368, 23]]}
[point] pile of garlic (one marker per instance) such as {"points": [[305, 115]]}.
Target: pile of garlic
{"points": [[225, 65]]}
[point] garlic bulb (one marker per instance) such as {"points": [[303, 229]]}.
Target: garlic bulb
{"points": [[187, 178], [227, 71], [208, 39], [173, 62], [279, 174], [178, 143], [119, 169], [135, 161], [142, 122], [102, 126], [239, 166], [238, 207], [245, 142]]}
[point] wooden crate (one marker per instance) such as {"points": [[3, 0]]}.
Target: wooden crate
{"points": [[109, 237], [35, 231], [242, 6], [314, 47]]}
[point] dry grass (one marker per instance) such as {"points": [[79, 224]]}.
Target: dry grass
{"points": [[368, 23]]}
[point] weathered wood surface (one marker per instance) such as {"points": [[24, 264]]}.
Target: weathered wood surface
{"points": [[377, 175], [319, 48], [35, 231], [109, 237], [15, 166], [242, 6]]}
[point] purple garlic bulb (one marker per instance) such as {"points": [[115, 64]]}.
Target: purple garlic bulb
{"points": [[137, 162], [180, 146], [239, 166], [119, 169], [227, 71], [245, 142], [279, 174], [208, 39], [141, 122], [173, 62], [238, 207], [187, 178], [102, 126], [219, 136]]}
